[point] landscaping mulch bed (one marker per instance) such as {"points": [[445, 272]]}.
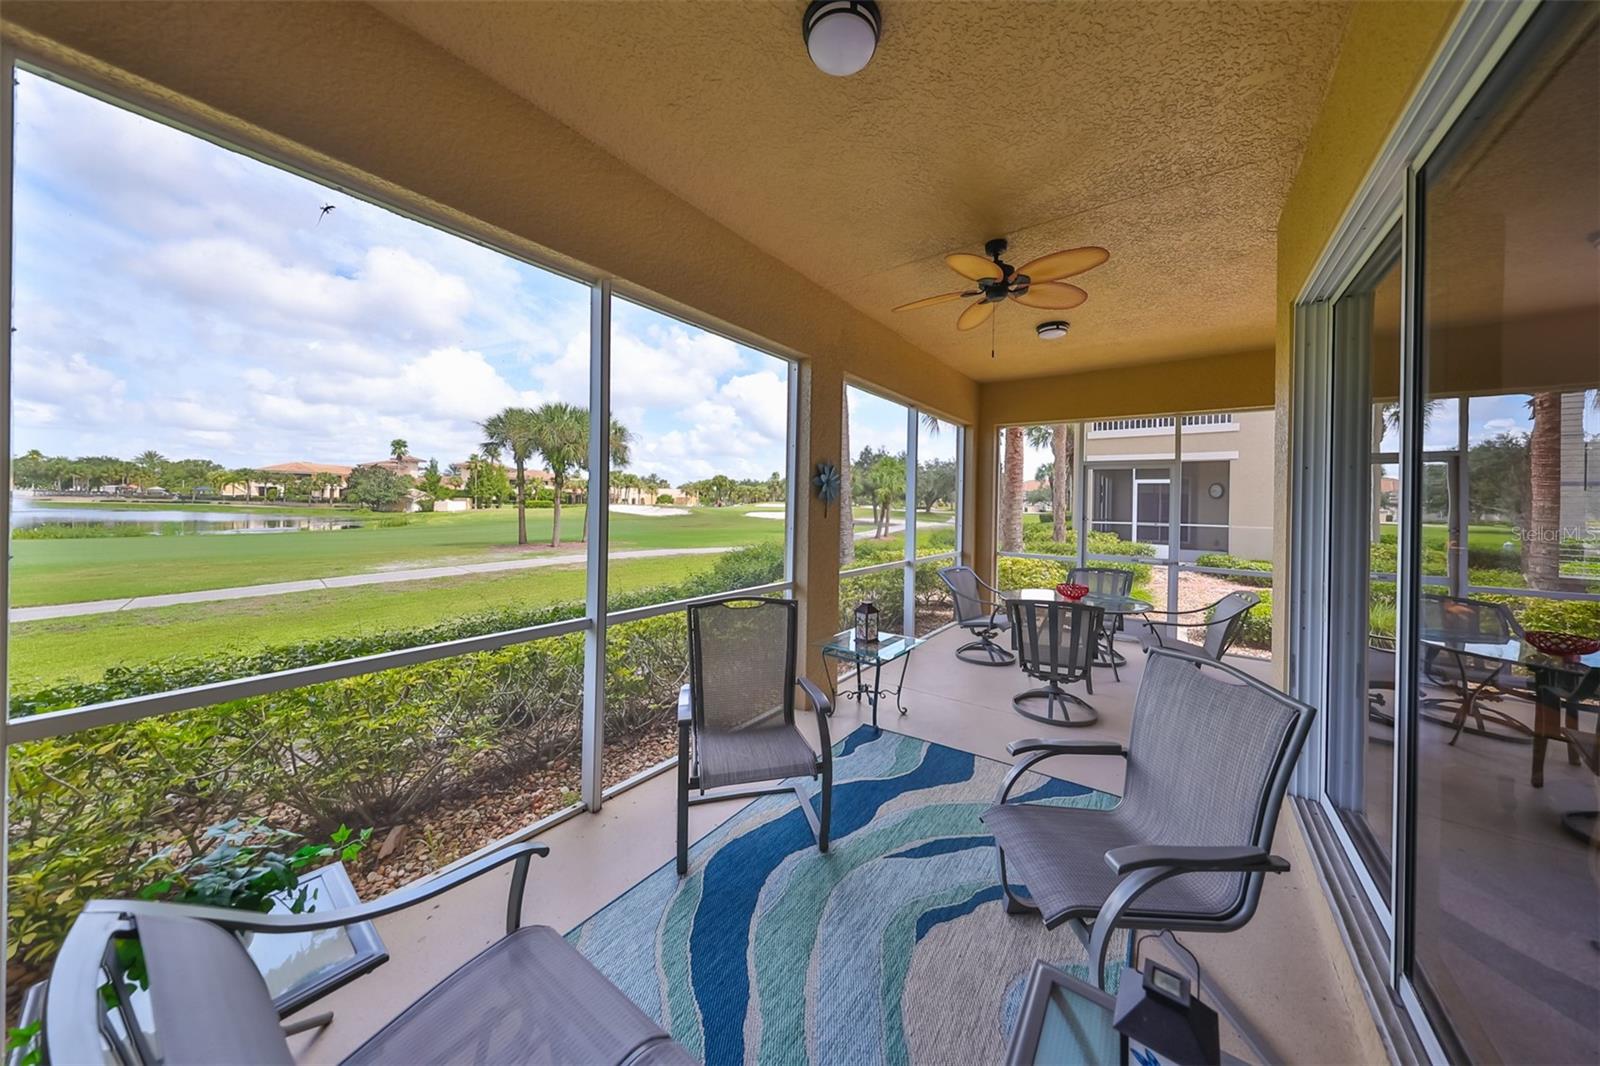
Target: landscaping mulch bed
{"points": [[459, 826]]}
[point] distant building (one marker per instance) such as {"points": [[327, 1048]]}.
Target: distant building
{"points": [[1225, 489], [406, 466]]}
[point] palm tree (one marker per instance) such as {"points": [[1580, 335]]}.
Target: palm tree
{"points": [[559, 433], [398, 448], [148, 468], [1011, 499], [1058, 438], [219, 480], [518, 431], [1541, 548]]}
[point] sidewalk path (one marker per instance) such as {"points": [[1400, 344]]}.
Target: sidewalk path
{"points": [[283, 588]]}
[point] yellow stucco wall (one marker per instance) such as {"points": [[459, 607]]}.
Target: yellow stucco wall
{"points": [[1386, 49], [346, 93]]}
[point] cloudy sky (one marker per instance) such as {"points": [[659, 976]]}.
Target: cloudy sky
{"points": [[174, 295]]}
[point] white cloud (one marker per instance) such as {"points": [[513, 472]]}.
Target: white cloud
{"points": [[173, 295]]}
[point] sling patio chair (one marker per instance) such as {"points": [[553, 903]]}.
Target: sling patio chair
{"points": [[1186, 848], [1449, 625], [1056, 642], [981, 611], [1106, 581], [736, 714], [527, 998], [1223, 622]]}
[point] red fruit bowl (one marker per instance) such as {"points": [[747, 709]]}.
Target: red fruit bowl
{"points": [[1566, 645], [1072, 592]]}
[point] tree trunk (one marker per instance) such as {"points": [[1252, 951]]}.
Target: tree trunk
{"points": [[1541, 543], [1011, 498], [522, 514], [556, 485], [1059, 477], [847, 515]]}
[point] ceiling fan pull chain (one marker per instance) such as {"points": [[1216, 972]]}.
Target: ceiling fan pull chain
{"points": [[991, 337]]}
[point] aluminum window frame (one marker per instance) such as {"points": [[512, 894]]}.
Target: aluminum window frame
{"points": [[909, 561], [595, 621]]}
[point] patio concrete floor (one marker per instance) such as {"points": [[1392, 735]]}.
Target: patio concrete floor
{"points": [[1287, 969]]}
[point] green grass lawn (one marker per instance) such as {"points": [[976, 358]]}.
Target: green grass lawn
{"points": [[83, 647], [66, 571]]}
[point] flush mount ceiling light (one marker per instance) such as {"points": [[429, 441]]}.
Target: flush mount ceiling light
{"points": [[1052, 331], [841, 35]]}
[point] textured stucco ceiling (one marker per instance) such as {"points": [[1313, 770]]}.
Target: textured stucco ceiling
{"points": [[1167, 132]]}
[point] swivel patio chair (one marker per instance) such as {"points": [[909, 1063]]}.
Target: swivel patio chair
{"points": [[1106, 581], [1223, 622], [984, 616], [1056, 643], [1450, 625], [736, 714], [527, 998], [1208, 762]]}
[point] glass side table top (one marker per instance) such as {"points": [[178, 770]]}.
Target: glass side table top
{"points": [[1064, 1022], [887, 648]]}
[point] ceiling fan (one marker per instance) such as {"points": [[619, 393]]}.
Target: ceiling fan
{"points": [[1037, 283]]}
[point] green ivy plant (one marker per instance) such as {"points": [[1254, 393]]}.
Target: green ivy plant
{"points": [[25, 1039], [247, 868]]}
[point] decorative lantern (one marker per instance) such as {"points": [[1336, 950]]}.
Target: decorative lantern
{"points": [[867, 623], [1163, 1021]]}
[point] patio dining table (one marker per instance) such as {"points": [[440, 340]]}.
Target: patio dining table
{"points": [[1560, 684]]}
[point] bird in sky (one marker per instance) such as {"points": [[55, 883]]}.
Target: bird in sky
{"points": [[324, 214]]}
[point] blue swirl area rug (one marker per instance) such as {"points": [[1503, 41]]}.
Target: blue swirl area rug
{"points": [[892, 948]]}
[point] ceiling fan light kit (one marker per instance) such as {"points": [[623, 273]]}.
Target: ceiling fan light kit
{"points": [[1037, 283], [1052, 331], [841, 35]]}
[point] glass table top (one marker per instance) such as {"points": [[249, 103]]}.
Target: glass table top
{"points": [[1108, 604], [1516, 651], [887, 647]]}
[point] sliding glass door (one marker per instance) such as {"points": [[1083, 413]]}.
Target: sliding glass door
{"points": [[1505, 913], [1462, 759]]}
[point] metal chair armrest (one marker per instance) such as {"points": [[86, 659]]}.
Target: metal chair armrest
{"points": [[1065, 747], [311, 921], [823, 707], [1140, 867], [685, 705], [1245, 859], [1033, 752]]}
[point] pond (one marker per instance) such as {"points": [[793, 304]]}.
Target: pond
{"points": [[26, 514]]}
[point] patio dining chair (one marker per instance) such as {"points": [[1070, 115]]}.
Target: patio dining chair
{"points": [[981, 611], [736, 714], [1056, 643], [1223, 622], [1474, 682], [1106, 581], [1188, 845], [527, 998]]}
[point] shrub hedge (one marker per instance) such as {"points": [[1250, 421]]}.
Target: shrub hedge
{"points": [[1224, 561], [365, 751]]}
